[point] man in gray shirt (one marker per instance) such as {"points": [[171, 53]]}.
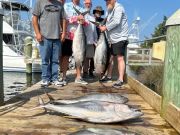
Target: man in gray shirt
{"points": [[117, 32], [47, 17]]}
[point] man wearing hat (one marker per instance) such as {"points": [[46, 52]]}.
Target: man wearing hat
{"points": [[98, 12]]}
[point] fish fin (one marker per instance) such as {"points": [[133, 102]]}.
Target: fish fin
{"points": [[77, 11], [84, 13], [40, 105], [41, 102], [80, 13]]}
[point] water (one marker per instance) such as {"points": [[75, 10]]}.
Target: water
{"points": [[15, 83]]}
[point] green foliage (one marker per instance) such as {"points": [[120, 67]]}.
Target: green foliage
{"points": [[160, 30]]}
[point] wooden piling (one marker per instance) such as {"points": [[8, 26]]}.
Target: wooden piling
{"points": [[171, 80], [1, 60], [28, 53]]}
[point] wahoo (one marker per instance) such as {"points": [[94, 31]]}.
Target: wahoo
{"points": [[112, 98]]}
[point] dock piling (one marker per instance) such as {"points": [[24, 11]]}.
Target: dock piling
{"points": [[28, 53], [1, 60]]}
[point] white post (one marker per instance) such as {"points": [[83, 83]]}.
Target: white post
{"points": [[150, 56]]}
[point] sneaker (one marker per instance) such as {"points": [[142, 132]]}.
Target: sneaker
{"points": [[57, 83], [105, 79], [44, 83], [81, 81], [64, 81], [117, 84]]}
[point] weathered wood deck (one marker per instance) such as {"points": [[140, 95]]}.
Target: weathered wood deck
{"points": [[16, 118]]}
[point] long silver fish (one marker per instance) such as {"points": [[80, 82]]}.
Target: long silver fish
{"points": [[79, 42], [106, 97], [101, 56], [94, 111], [99, 131]]}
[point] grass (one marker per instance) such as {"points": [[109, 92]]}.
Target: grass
{"points": [[151, 76]]}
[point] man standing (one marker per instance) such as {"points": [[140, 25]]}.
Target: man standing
{"points": [[98, 12], [47, 15], [117, 32], [91, 38]]}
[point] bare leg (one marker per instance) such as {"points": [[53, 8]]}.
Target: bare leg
{"points": [[121, 67], [78, 72], [78, 77]]}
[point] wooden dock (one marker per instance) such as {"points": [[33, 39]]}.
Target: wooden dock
{"points": [[17, 118]]}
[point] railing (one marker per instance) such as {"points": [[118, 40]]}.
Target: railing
{"points": [[141, 56]]}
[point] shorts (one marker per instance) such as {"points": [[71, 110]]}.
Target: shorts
{"points": [[67, 47], [119, 48], [90, 49]]}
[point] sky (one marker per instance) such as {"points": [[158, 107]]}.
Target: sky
{"points": [[151, 12]]}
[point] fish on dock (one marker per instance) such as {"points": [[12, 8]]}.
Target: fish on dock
{"points": [[106, 97], [99, 131], [94, 111]]}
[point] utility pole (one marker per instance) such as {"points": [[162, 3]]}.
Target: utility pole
{"points": [[1, 60]]}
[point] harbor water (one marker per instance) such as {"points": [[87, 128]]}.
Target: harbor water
{"points": [[16, 82]]}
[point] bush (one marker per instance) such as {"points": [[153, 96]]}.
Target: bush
{"points": [[152, 77]]}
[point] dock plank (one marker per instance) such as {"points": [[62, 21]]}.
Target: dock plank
{"points": [[17, 118]]}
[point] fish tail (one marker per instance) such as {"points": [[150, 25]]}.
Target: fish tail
{"points": [[40, 105], [51, 99], [80, 13]]}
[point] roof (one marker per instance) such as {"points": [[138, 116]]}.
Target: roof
{"points": [[15, 5], [174, 19]]}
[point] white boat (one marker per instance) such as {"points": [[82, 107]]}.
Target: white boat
{"points": [[16, 26]]}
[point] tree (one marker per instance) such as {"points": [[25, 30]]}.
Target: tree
{"points": [[160, 30]]}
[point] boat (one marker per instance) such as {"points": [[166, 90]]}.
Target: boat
{"points": [[16, 27], [133, 37]]}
